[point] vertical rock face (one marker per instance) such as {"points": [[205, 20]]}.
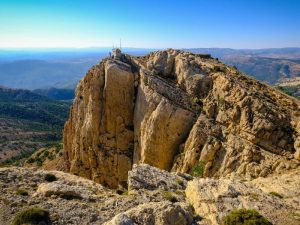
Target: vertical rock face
{"points": [[160, 125], [98, 137], [175, 110]]}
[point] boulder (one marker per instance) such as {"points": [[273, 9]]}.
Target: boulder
{"points": [[62, 190], [155, 213], [146, 177]]}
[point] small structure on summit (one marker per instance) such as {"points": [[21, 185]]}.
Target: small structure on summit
{"points": [[116, 53]]}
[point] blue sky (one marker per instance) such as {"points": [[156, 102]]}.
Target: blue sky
{"points": [[150, 24]]}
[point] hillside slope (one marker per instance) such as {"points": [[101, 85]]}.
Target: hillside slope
{"points": [[28, 121], [290, 86], [56, 93], [182, 112]]}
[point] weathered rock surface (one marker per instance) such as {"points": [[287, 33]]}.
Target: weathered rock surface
{"points": [[98, 137], [147, 177], [286, 185], [214, 199], [75, 200], [172, 110], [158, 213]]}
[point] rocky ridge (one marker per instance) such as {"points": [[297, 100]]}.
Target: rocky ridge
{"points": [[153, 196], [176, 110]]}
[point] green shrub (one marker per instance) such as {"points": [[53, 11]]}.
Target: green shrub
{"points": [[58, 146], [169, 196], [197, 101], [69, 196], [32, 216], [51, 156], [275, 194], [30, 160], [179, 182], [198, 169], [221, 101], [57, 150], [218, 69], [22, 192], [46, 153], [244, 217], [50, 177], [38, 160]]}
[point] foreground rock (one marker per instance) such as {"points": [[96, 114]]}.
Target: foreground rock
{"points": [[74, 200], [174, 110], [149, 201], [213, 199], [285, 186], [159, 213], [147, 177]]}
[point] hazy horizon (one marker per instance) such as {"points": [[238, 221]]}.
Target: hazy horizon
{"points": [[150, 24], [131, 48]]}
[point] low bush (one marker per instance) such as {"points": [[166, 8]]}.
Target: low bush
{"points": [[179, 182], [219, 69], [30, 160], [244, 217], [197, 101], [50, 177], [22, 192], [198, 169], [46, 153], [168, 195], [32, 216], [275, 194]]}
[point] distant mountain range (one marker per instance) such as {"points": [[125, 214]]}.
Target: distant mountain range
{"points": [[268, 65], [34, 74], [287, 53], [28, 121], [62, 68], [50, 68]]}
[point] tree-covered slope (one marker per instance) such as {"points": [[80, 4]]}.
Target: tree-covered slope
{"points": [[28, 121]]}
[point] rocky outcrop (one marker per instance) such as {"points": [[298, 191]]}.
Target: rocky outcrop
{"points": [[213, 199], [98, 137], [175, 110], [176, 201], [74, 200], [158, 213], [285, 186], [146, 177]]}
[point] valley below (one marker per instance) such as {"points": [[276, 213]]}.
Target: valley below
{"points": [[28, 122]]}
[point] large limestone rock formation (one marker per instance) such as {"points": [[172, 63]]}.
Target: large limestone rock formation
{"points": [[98, 137], [175, 110]]}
